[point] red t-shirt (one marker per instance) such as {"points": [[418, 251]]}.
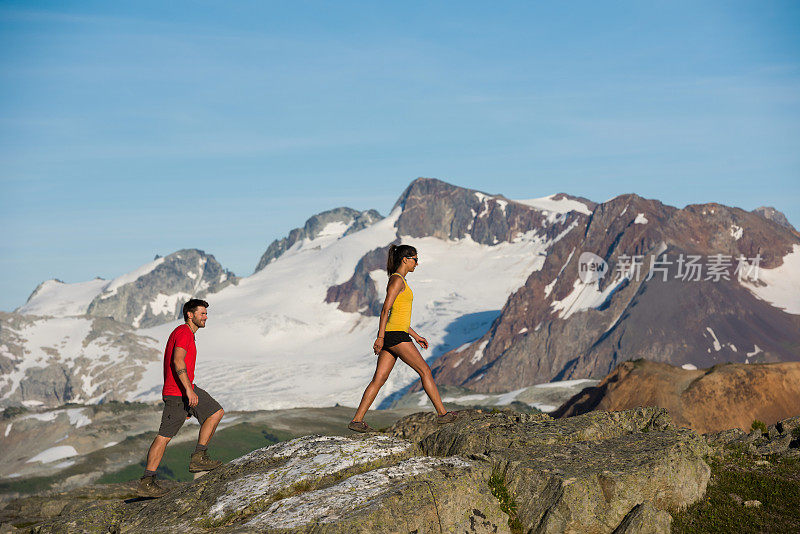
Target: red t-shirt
{"points": [[182, 337]]}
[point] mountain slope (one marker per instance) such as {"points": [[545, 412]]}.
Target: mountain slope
{"points": [[722, 397], [333, 223], [497, 294], [51, 361], [150, 295], [559, 327]]}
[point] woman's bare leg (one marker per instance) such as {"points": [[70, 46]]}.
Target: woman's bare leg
{"points": [[407, 352], [382, 370]]}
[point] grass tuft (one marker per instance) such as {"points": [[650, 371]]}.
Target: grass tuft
{"points": [[507, 502], [758, 425]]}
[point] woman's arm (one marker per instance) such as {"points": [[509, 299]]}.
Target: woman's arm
{"points": [[421, 340]]}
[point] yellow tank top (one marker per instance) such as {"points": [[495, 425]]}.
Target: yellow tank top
{"points": [[400, 314]]}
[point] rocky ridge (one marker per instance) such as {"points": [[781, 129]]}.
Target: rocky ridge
{"points": [[71, 359], [150, 295], [338, 221], [559, 327], [487, 472], [157, 296], [707, 400], [770, 213], [433, 208]]}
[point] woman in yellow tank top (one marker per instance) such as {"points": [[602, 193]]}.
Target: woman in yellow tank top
{"points": [[394, 338]]}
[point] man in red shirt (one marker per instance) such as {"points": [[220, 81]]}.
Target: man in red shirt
{"points": [[182, 399]]}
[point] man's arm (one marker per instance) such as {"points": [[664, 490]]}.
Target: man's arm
{"points": [[179, 364]]}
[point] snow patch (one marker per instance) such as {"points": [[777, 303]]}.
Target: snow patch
{"points": [[130, 277], [54, 453], [58, 299], [478, 356], [782, 284], [736, 232], [563, 205], [689, 367], [549, 287], [755, 351], [78, 417], [717, 345], [640, 219], [167, 304], [586, 296], [565, 383]]}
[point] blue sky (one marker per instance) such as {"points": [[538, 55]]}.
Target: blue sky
{"points": [[129, 129]]}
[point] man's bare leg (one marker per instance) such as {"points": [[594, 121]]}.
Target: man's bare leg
{"points": [[209, 426], [156, 452]]}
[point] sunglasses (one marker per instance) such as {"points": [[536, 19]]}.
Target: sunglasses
{"points": [[413, 258]]}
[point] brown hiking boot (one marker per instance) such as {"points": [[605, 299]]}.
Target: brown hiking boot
{"points": [[360, 426], [201, 462], [148, 487]]}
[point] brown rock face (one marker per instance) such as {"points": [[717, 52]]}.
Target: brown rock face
{"points": [[723, 397]]}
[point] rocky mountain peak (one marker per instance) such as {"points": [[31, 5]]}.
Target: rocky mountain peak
{"points": [[771, 214], [155, 292], [566, 196], [337, 222], [435, 208]]}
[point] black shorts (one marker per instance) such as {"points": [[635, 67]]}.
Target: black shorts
{"points": [[177, 411], [393, 337]]}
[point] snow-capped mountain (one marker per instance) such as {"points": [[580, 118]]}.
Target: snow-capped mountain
{"points": [[53, 360], [334, 223], [560, 325], [495, 295], [147, 296]]}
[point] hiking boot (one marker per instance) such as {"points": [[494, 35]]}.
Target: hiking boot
{"points": [[201, 462], [148, 487], [449, 417], [360, 426]]}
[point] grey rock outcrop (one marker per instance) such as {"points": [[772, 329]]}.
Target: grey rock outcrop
{"points": [[771, 214], [354, 221], [157, 295], [312, 484], [781, 439], [645, 519], [485, 473], [585, 473]]}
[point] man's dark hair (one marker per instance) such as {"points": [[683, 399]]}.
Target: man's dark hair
{"points": [[191, 305]]}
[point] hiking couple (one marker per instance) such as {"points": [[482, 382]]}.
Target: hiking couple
{"points": [[183, 399]]}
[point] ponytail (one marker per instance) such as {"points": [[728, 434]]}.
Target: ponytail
{"points": [[396, 255]]}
